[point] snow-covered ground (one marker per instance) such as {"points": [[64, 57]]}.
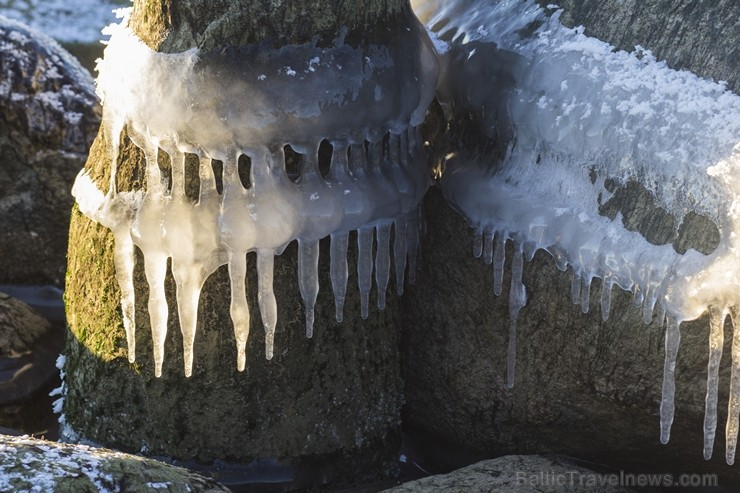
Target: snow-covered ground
{"points": [[68, 21]]}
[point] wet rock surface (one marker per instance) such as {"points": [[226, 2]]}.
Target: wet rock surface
{"points": [[29, 347], [48, 117], [521, 474], [28, 464]]}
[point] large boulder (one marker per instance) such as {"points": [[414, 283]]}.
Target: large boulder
{"points": [[29, 347], [528, 474], [327, 408], [28, 464], [583, 387], [48, 117]]}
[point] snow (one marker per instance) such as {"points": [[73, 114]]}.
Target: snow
{"points": [[77, 21], [578, 113], [217, 106]]}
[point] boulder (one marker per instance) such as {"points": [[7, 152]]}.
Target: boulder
{"points": [[326, 408], [528, 474], [29, 346], [48, 118], [583, 387], [28, 464]]}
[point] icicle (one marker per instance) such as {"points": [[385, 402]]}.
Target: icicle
{"points": [[382, 260], [123, 258], [575, 288], [338, 270], [639, 296], [606, 297], [716, 341], [188, 295], [155, 267], [672, 340], [733, 407], [308, 278], [266, 297], [661, 314], [648, 304], [517, 299], [413, 227], [499, 257], [586, 292], [239, 308], [477, 242], [400, 249], [488, 234], [365, 267]]}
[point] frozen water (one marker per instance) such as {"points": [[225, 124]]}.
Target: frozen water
{"points": [[571, 113], [250, 103]]}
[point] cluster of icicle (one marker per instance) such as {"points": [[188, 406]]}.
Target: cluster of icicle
{"points": [[575, 112], [253, 101]]}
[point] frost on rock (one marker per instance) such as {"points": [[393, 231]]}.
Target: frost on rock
{"points": [[573, 113], [254, 104]]}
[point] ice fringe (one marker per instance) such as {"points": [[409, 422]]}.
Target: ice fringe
{"points": [[575, 113], [252, 102]]}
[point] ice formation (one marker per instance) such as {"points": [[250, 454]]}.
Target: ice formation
{"points": [[573, 112], [249, 103]]}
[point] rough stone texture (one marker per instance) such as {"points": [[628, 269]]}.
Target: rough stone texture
{"points": [[332, 401], [689, 34], [585, 388], [521, 474], [20, 327], [172, 26], [48, 118], [27, 464], [29, 346]]}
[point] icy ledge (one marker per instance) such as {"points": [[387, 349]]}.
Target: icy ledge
{"points": [[247, 105], [575, 113]]}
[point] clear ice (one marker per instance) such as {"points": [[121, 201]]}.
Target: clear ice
{"points": [[572, 112], [251, 102]]}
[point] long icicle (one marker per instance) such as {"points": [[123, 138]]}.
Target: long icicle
{"points": [[123, 258], [733, 408], [339, 270], [308, 278], [499, 257], [517, 299], [716, 340], [266, 297], [239, 308], [365, 267], [400, 249], [155, 267], [382, 260], [667, 401]]}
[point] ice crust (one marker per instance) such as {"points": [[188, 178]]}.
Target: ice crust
{"points": [[573, 112], [253, 101]]}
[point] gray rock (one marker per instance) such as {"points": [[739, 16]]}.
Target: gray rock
{"points": [[332, 402], [523, 474], [48, 118], [20, 327], [583, 387], [28, 464], [29, 346], [688, 34]]}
